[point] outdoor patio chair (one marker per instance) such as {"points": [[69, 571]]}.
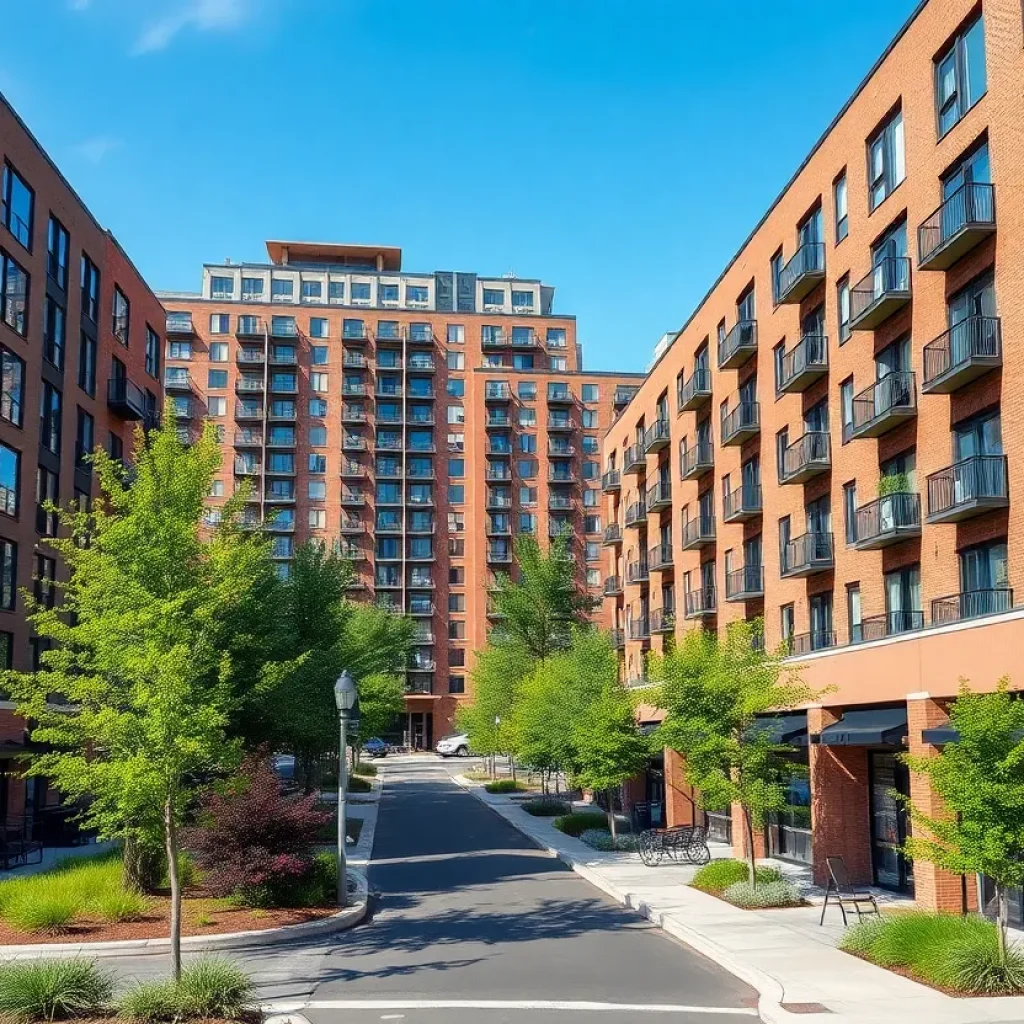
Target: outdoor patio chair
{"points": [[842, 891]]}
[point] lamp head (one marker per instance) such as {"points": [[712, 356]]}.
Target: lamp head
{"points": [[345, 692]]}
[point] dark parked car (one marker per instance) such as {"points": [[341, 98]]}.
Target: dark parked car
{"points": [[375, 747]]}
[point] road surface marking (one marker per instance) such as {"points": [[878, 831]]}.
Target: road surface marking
{"points": [[505, 1004]]}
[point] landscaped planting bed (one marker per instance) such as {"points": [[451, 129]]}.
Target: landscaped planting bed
{"points": [[729, 880]]}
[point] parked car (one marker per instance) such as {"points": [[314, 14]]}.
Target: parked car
{"points": [[454, 745], [375, 747]]}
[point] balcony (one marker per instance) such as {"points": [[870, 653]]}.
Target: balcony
{"points": [[738, 345], [656, 437], [284, 356], [697, 460], [611, 481], [968, 488], [803, 364], [125, 398], [560, 502], [497, 393], [695, 392], [612, 586], [354, 444], [495, 421], [888, 520], [495, 339], [561, 476], [497, 501], [179, 324], [659, 497], [351, 414], [283, 328], [965, 352], [807, 457], [494, 473], [560, 449], [636, 514], [352, 499], [353, 390], [638, 572], [249, 356], [700, 604], [502, 449], [356, 335], [881, 293], [971, 604], [805, 643], [248, 411], [640, 628], [418, 608], [499, 555], [349, 527], [248, 438], [559, 528], [885, 405], [742, 504], [613, 534], [560, 424], [250, 327], [559, 396], [249, 385], [247, 467], [354, 361], [618, 639], [741, 423], [802, 274], [745, 584], [877, 627], [634, 460], [421, 364], [698, 533], [353, 471], [663, 620], [421, 394], [422, 334], [176, 379], [807, 555], [963, 221]]}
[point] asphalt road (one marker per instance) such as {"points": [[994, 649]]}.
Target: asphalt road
{"points": [[474, 924]]}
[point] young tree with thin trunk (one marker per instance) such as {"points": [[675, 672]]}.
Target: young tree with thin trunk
{"points": [[145, 678], [713, 690], [980, 780]]}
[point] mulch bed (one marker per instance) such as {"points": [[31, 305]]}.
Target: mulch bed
{"points": [[155, 924], [719, 896]]}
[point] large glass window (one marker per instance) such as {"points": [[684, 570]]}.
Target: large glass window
{"points": [[12, 397], [14, 294], [10, 471], [50, 405], [886, 163], [16, 205], [960, 77], [842, 224], [58, 244]]}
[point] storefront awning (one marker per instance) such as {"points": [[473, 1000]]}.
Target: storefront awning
{"points": [[941, 734], [787, 730], [871, 727]]}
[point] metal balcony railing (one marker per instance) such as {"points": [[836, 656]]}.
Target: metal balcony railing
{"points": [[971, 603], [698, 532], [807, 554], [738, 345], [612, 586], [638, 572], [636, 513], [968, 488], [695, 391], [634, 459], [807, 457], [611, 481], [699, 603], [964, 352], [743, 503], [805, 643], [802, 274], [126, 398], [618, 639], [880, 293], [745, 583], [613, 534], [884, 405], [741, 423], [656, 437], [663, 620], [888, 520], [803, 364], [877, 627], [697, 459], [962, 221], [659, 496], [640, 628], [659, 557]]}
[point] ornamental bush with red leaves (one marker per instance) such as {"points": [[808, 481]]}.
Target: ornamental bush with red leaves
{"points": [[257, 844]]}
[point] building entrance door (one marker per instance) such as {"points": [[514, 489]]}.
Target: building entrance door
{"points": [[892, 870], [420, 730]]}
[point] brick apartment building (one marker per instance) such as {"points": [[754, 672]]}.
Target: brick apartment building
{"points": [[81, 337], [420, 421], [832, 438]]}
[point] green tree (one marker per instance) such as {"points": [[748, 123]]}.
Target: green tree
{"points": [[146, 681], [381, 700], [610, 749], [497, 677], [980, 780], [712, 690]]}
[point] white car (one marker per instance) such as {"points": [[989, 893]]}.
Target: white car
{"points": [[455, 745]]}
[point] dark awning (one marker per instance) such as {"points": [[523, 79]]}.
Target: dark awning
{"points": [[939, 735], [871, 727], [786, 730]]}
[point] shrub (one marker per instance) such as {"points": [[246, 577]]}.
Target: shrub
{"points": [[358, 785], [45, 990], [545, 807], [952, 952], [601, 839], [365, 768], [118, 905], [253, 841], [764, 895], [505, 786], [716, 876], [577, 824], [211, 987], [51, 911]]}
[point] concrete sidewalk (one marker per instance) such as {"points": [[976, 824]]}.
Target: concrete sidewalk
{"points": [[784, 954]]}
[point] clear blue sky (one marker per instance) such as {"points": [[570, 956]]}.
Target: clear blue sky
{"points": [[619, 151]]}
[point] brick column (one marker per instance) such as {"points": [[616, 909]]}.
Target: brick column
{"points": [[934, 888], [739, 836], [840, 820], [680, 805]]}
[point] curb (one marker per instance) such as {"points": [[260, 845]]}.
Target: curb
{"points": [[347, 918], [770, 991]]}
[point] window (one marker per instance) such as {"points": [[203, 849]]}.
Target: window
{"points": [[528, 443], [527, 495], [960, 77], [843, 309], [785, 536], [17, 201], [839, 201], [456, 360], [522, 361], [850, 511], [152, 352], [522, 301], [10, 468], [590, 392], [527, 417], [360, 291], [13, 295], [58, 243], [317, 462], [216, 378], [556, 337], [319, 327], [591, 470], [456, 334], [282, 288], [416, 294], [44, 578], [220, 323], [591, 498], [47, 492], [456, 494], [85, 438], [387, 293], [319, 382], [456, 414], [591, 445], [494, 297], [457, 629], [846, 408], [781, 444], [590, 419], [312, 291], [50, 406], [787, 624], [456, 575], [775, 267], [455, 386], [90, 289], [456, 468], [252, 289], [217, 489], [886, 168], [318, 519], [853, 613], [53, 333], [591, 524], [221, 287], [527, 468], [318, 437], [8, 574], [318, 407], [557, 363]]}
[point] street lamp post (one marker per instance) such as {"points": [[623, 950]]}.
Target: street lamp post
{"points": [[346, 697]]}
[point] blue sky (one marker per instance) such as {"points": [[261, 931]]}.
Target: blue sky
{"points": [[619, 151]]}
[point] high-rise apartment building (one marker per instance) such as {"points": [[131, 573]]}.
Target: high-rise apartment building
{"points": [[833, 440], [81, 342], [418, 421]]}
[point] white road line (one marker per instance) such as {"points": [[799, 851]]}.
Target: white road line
{"points": [[503, 1004]]}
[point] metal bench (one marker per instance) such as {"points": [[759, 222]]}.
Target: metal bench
{"points": [[687, 843], [842, 891], [17, 847]]}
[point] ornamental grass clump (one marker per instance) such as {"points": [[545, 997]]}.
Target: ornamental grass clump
{"points": [[211, 987], [763, 896], [716, 876], [546, 807], [48, 990], [505, 786]]}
